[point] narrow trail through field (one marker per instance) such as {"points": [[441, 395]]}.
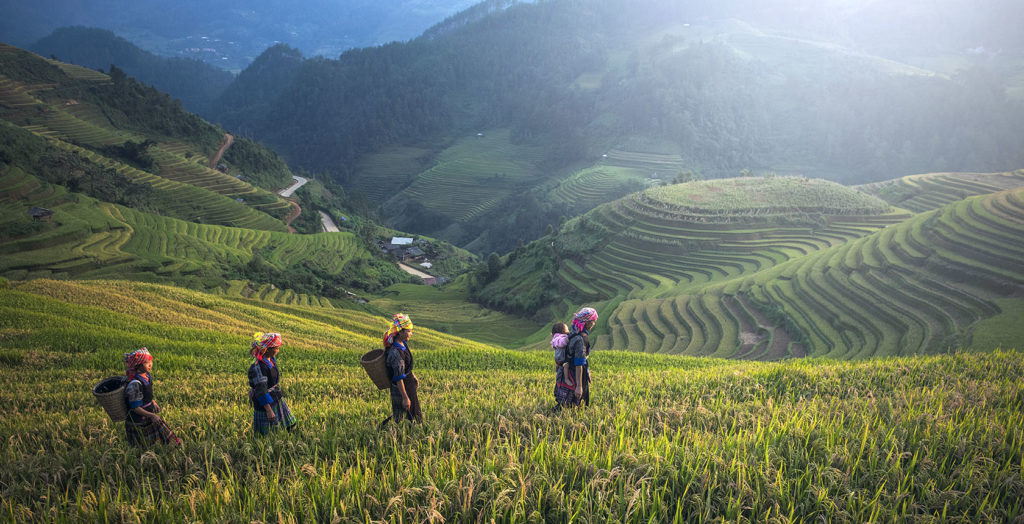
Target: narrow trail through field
{"points": [[328, 224], [228, 140], [292, 215], [412, 271]]}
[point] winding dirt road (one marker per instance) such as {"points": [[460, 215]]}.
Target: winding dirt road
{"points": [[228, 140]]}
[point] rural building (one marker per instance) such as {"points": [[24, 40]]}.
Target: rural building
{"points": [[40, 213]]}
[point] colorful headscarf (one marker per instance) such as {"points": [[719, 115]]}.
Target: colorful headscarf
{"points": [[133, 360], [582, 317], [263, 342], [399, 322]]}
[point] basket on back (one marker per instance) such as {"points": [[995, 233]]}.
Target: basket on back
{"points": [[373, 363], [110, 394]]}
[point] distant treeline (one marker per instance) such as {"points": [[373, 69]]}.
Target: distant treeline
{"points": [[519, 67], [195, 83]]}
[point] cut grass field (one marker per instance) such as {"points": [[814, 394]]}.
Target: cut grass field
{"points": [[667, 439]]}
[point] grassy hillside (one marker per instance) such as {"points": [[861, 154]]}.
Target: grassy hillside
{"points": [[667, 439], [680, 238], [112, 122], [88, 238], [920, 286], [920, 193]]}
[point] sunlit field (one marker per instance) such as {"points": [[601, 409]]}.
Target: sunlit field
{"points": [[666, 439]]}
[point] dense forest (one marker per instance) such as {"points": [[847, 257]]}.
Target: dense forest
{"points": [[195, 83]]}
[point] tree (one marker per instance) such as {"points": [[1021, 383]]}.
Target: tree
{"points": [[493, 266]]}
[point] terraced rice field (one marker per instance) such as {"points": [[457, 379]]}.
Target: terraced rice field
{"points": [[90, 239], [83, 125], [474, 175], [593, 186], [920, 193], [660, 244], [917, 287], [382, 174], [186, 201], [663, 164]]}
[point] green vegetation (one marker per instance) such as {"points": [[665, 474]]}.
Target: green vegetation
{"points": [[668, 438], [680, 238], [113, 123], [449, 310], [920, 193], [87, 238], [918, 287], [196, 84]]}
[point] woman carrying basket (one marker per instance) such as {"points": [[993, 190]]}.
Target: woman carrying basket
{"points": [[270, 411], [398, 357], [143, 426]]}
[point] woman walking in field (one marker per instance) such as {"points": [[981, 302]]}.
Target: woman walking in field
{"points": [[143, 426], [576, 353], [270, 411], [405, 405]]}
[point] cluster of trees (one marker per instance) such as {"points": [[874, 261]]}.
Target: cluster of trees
{"points": [[32, 154], [260, 166], [365, 274], [197, 84]]}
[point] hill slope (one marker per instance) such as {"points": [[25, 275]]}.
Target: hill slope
{"points": [[574, 81], [916, 287], [666, 439], [87, 238], [94, 124]]}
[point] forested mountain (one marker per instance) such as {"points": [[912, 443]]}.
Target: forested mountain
{"points": [[230, 33], [576, 79], [196, 83]]}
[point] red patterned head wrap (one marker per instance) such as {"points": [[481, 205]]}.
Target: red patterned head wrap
{"points": [[263, 342], [133, 360]]}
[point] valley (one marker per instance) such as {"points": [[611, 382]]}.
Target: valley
{"points": [[802, 229]]}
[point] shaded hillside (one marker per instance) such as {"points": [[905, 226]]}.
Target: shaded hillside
{"points": [[195, 83], [228, 34], [574, 81], [104, 135]]}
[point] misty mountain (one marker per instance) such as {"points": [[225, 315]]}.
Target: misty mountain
{"points": [[691, 79], [230, 33], [196, 83]]}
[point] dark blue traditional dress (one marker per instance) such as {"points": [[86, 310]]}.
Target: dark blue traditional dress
{"points": [[576, 354], [399, 362], [142, 431], [265, 388]]}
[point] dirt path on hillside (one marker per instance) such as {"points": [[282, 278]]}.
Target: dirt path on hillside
{"points": [[295, 212], [228, 140]]}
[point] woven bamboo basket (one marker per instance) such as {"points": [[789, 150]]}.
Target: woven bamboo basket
{"points": [[373, 363], [110, 394]]}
